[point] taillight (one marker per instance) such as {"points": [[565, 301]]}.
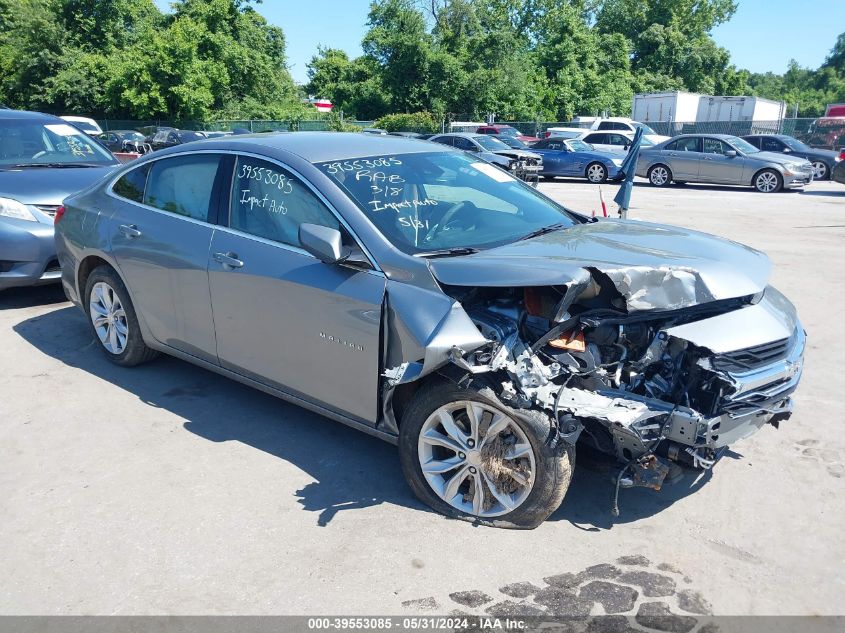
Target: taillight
{"points": [[842, 154], [59, 213]]}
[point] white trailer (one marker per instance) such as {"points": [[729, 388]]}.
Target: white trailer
{"points": [[739, 109], [665, 106]]}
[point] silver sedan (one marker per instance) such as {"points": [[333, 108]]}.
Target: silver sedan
{"points": [[425, 296], [721, 159]]}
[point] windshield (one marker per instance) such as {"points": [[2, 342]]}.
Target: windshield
{"points": [[579, 146], [36, 143], [513, 142], [443, 200], [794, 144], [187, 137], [84, 125], [489, 143], [742, 145], [508, 130], [131, 136], [646, 129]]}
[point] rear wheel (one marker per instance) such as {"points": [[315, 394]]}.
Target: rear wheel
{"points": [[768, 181], [820, 170], [659, 175], [469, 456], [596, 172], [113, 319]]}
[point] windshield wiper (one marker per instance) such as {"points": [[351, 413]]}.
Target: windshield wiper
{"points": [[50, 165], [543, 231], [448, 252]]}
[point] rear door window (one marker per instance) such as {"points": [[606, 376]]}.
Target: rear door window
{"points": [[132, 184], [692, 144], [465, 144], [270, 202], [183, 185]]}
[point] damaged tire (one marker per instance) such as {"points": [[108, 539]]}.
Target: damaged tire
{"points": [[469, 456]]}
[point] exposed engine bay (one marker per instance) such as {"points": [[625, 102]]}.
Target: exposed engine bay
{"points": [[647, 388]]}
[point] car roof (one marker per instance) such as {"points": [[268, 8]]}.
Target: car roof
{"points": [[464, 134], [26, 115], [723, 137], [318, 147]]}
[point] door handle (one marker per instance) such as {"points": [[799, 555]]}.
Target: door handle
{"points": [[130, 230], [229, 260]]}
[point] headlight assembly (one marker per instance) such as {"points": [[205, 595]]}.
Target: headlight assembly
{"points": [[13, 209]]}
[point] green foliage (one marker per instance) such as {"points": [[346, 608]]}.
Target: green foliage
{"points": [[334, 123], [519, 59], [125, 59], [423, 122], [809, 90]]}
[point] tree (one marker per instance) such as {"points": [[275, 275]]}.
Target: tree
{"points": [[125, 58], [671, 43]]}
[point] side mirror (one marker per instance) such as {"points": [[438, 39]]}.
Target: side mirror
{"points": [[731, 153], [786, 150], [324, 243]]}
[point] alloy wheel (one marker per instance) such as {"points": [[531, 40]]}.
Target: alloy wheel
{"points": [[108, 317], [819, 170], [659, 176], [476, 458], [596, 173], [767, 182]]}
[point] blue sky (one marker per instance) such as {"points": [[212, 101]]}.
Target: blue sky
{"points": [[763, 34]]}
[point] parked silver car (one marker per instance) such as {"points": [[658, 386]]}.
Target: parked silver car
{"points": [[426, 297], [721, 159], [43, 159]]}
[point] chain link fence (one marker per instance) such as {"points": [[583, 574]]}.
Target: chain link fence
{"points": [[827, 133], [822, 133]]}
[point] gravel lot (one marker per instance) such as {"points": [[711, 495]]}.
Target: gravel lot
{"points": [[169, 490]]}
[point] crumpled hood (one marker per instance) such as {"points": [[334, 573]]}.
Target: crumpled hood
{"points": [[48, 186], [653, 266]]}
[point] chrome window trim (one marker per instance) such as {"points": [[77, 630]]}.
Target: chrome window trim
{"points": [[110, 192]]}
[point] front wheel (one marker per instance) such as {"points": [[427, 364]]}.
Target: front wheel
{"points": [[659, 176], [768, 181], [596, 172], [469, 456], [820, 170], [113, 319]]}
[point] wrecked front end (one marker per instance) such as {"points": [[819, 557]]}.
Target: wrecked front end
{"points": [[614, 364]]}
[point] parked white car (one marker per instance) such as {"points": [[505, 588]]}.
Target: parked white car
{"points": [[612, 141], [89, 126], [564, 132], [623, 124]]}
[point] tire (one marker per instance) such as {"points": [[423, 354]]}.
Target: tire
{"points": [[767, 181], [544, 473], [660, 175], [821, 170], [547, 178], [596, 173], [113, 321]]}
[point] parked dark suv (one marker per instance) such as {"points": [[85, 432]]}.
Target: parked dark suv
{"points": [[823, 160]]}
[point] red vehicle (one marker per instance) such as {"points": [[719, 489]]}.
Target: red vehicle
{"points": [[835, 109], [507, 130]]}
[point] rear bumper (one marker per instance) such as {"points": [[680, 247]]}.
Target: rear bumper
{"points": [[27, 254]]}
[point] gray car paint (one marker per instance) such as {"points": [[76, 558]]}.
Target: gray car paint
{"points": [[339, 339], [31, 244], [720, 169]]}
